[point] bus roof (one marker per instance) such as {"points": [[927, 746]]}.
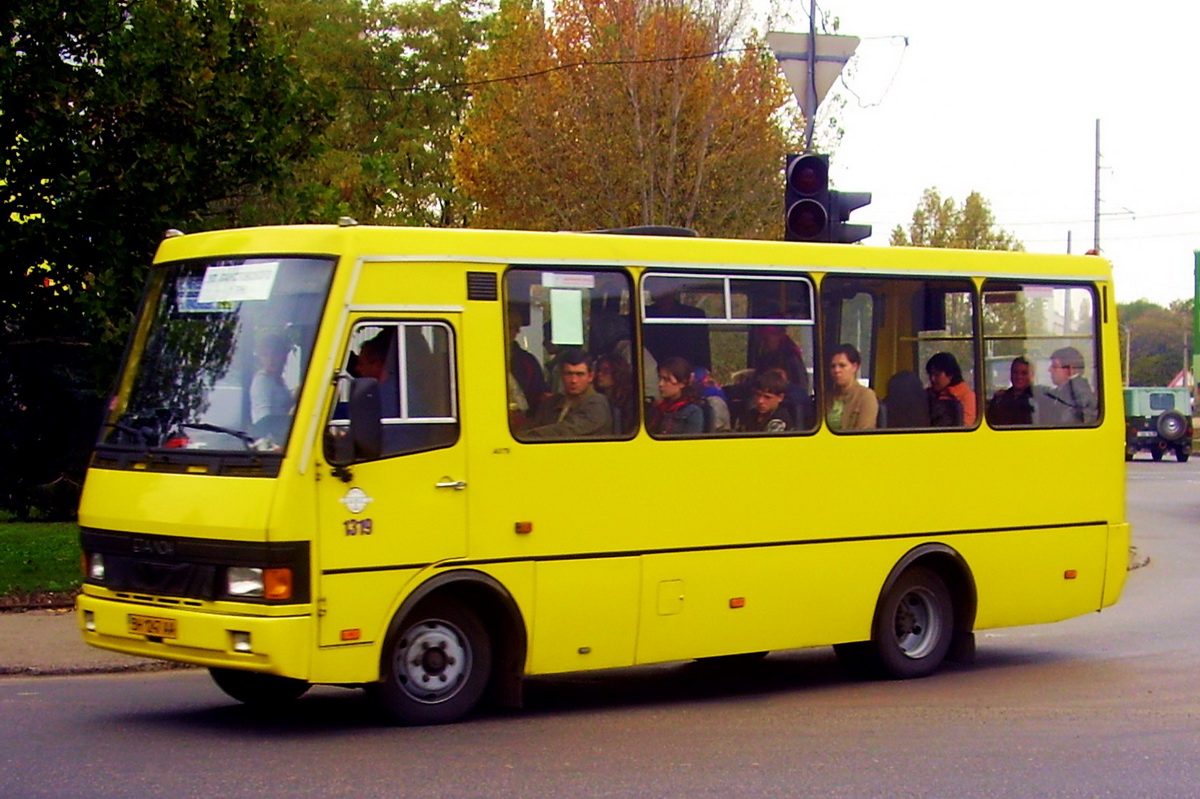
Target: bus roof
{"points": [[557, 249]]}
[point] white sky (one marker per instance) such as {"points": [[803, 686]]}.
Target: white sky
{"points": [[1003, 98]]}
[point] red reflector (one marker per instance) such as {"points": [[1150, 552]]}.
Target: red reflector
{"points": [[1070, 574], [737, 602], [523, 528]]}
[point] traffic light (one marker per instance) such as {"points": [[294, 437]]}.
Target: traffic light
{"points": [[806, 198], [841, 203]]}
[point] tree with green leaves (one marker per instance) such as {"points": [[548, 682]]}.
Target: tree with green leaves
{"points": [[939, 222], [1156, 339], [626, 112], [395, 73], [118, 119]]}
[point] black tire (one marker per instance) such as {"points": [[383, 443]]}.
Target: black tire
{"points": [[256, 689], [1171, 426], [914, 624], [1182, 453], [1156, 453], [435, 665]]}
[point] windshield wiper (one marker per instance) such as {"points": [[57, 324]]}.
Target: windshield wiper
{"points": [[141, 433], [243, 436]]}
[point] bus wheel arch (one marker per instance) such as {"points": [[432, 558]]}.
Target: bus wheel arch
{"points": [[461, 613], [911, 631]]}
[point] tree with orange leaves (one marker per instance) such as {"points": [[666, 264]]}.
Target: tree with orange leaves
{"points": [[608, 113]]}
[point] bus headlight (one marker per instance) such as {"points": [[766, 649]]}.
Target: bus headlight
{"points": [[244, 581], [95, 567], [254, 583]]}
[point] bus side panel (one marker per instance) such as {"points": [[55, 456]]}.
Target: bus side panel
{"points": [[702, 604], [1120, 536], [355, 607], [1036, 576], [371, 600], [586, 615]]}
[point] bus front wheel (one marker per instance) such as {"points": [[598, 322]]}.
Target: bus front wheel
{"points": [[258, 690], [435, 665]]}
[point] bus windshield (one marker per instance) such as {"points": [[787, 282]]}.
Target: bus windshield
{"points": [[220, 355]]}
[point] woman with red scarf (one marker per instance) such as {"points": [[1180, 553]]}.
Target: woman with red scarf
{"points": [[677, 412]]}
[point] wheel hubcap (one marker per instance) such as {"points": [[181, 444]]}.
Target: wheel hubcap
{"points": [[918, 623], [432, 661]]}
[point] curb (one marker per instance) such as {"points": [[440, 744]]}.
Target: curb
{"points": [[77, 671]]}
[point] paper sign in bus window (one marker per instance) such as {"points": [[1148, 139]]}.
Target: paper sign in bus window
{"points": [[237, 283], [566, 317]]}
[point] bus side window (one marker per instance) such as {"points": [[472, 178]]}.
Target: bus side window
{"points": [[752, 373], [570, 355], [414, 364], [1048, 331], [917, 346]]}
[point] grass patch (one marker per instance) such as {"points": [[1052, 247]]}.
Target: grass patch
{"points": [[39, 556]]}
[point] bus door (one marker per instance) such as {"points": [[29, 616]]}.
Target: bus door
{"points": [[381, 519]]}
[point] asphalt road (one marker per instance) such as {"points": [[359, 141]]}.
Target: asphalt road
{"points": [[1104, 705]]}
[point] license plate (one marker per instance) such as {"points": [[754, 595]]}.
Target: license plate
{"points": [[1146, 434], [154, 626]]}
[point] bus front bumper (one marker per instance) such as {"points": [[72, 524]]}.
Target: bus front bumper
{"points": [[268, 644]]}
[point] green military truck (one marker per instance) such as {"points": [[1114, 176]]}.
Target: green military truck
{"points": [[1158, 420]]}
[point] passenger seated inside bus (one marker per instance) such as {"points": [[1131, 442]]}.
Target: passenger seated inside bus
{"points": [[794, 373], [373, 361], [1071, 400], [951, 400], [906, 404], [849, 404], [523, 365], [768, 410], [678, 410], [1014, 405], [579, 411], [614, 379], [713, 402]]}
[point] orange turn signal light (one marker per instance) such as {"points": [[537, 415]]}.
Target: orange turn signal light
{"points": [[277, 583], [353, 634], [1070, 574], [737, 602]]}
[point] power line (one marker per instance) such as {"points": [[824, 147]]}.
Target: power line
{"points": [[561, 67], [1182, 234], [1135, 218]]}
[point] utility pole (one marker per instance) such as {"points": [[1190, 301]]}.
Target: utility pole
{"points": [[1096, 214]]}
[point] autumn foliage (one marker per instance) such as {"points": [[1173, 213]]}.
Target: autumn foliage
{"points": [[608, 113]]}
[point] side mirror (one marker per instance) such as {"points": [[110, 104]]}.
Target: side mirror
{"points": [[357, 435]]}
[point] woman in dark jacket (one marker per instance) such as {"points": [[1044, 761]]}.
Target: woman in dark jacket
{"points": [[677, 412]]}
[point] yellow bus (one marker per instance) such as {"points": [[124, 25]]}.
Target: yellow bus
{"points": [[432, 462]]}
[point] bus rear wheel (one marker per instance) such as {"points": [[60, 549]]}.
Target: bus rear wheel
{"points": [[914, 625], [912, 631], [258, 690], [435, 666]]}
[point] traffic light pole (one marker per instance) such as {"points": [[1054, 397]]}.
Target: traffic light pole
{"points": [[810, 85]]}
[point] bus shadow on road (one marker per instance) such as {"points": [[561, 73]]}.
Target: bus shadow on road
{"points": [[813, 673]]}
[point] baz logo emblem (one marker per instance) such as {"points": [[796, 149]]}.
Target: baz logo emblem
{"points": [[356, 500]]}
